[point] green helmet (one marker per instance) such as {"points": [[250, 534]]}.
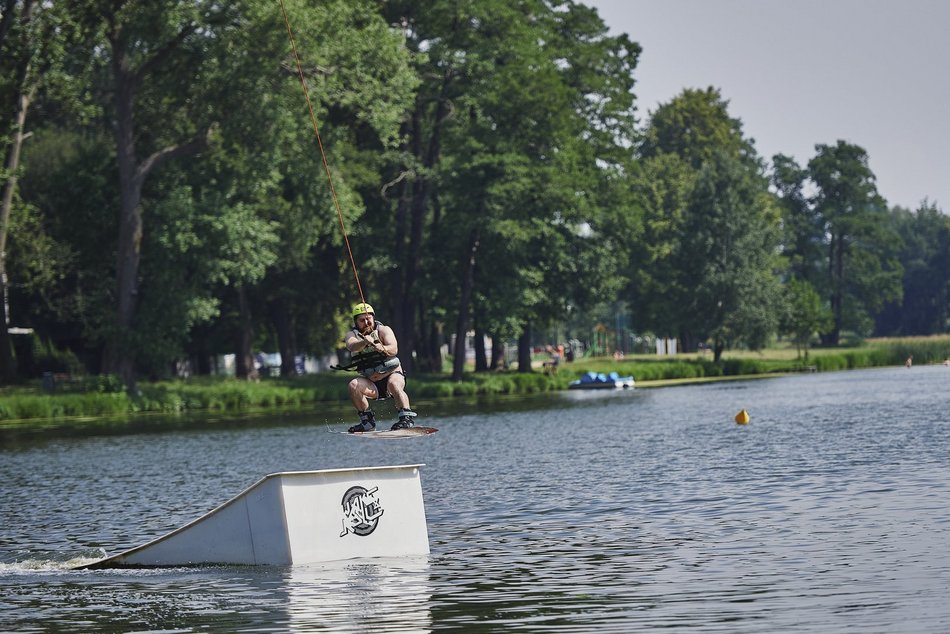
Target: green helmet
{"points": [[362, 308]]}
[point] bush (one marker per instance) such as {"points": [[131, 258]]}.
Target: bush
{"points": [[465, 389], [105, 395]]}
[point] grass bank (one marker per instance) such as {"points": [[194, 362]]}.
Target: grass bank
{"points": [[100, 397]]}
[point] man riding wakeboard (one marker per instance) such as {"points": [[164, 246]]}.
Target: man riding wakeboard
{"points": [[374, 348]]}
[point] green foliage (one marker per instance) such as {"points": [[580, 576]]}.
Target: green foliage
{"points": [[694, 126], [861, 257], [62, 249], [48, 358], [108, 384], [37, 406], [924, 308], [516, 140], [708, 269], [806, 314], [100, 398], [489, 170], [925, 350]]}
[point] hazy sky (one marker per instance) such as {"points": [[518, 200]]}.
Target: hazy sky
{"points": [[875, 73]]}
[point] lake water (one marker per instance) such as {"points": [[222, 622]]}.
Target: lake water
{"points": [[629, 511]]}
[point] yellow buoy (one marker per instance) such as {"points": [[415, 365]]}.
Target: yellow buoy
{"points": [[742, 417]]}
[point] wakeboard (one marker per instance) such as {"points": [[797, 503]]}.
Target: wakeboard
{"points": [[392, 434]]}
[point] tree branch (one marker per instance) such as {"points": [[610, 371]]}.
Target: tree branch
{"points": [[163, 52], [192, 146], [402, 176]]}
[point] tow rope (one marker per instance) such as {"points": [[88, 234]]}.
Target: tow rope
{"points": [[323, 154]]}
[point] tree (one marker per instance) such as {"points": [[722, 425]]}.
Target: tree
{"points": [[803, 230], [202, 229], [63, 242], [925, 259], [695, 126], [728, 266], [806, 314], [861, 269], [155, 116], [706, 266], [495, 143], [360, 84], [662, 188], [32, 39]]}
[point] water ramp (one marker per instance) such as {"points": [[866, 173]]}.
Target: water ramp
{"points": [[299, 517]]}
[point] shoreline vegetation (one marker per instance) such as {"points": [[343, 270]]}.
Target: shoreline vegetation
{"points": [[82, 401]]}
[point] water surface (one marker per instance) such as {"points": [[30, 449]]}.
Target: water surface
{"points": [[634, 510]]}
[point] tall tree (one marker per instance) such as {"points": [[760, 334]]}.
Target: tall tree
{"points": [[694, 126], [197, 229], [22, 89], [803, 231], [155, 116], [728, 266], [862, 269], [925, 258], [32, 36], [492, 144], [706, 266], [360, 84]]}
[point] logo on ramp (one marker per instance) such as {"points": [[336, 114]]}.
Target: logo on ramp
{"points": [[361, 511]]}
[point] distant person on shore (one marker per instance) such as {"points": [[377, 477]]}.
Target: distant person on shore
{"points": [[550, 366]]}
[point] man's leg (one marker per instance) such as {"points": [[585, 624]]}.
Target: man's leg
{"points": [[361, 390], [397, 389]]}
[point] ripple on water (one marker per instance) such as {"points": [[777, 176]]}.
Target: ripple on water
{"points": [[638, 510]]}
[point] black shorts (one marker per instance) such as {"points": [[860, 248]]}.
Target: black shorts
{"points": [[382, 386]]}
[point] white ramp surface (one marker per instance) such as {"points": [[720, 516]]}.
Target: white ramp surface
{"points": [[299, 517]]}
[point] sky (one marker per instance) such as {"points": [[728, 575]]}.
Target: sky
{"points": [[875, 73]]}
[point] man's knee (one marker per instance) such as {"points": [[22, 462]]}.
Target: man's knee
{"points": [[359, 387]]}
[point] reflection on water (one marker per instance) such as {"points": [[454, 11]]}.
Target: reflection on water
{"points": [[578, 511], [376, 594]]}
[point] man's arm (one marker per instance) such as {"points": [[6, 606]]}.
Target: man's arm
{"points": [[354, 341], [387, 342], [384, 342]]}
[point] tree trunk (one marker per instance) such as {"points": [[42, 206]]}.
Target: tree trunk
{"points": [[286, 338], [497, 353], [434, 346], [245, 341], [8, 370], [685, 341], [465, 301], [420, 193], [524, 349], [836, 262], [400, 320], [481, 359], [120, 349], [413, 263]]}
